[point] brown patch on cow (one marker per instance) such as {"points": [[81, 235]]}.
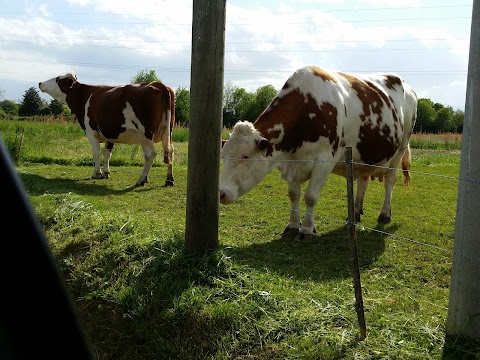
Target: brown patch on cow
{"points": [[377, 142], [302, 119], [391, 81], [325, 75]]}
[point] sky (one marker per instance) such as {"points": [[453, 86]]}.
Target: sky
{"points": [[107, 42]]}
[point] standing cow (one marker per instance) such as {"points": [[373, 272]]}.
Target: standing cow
{"points": [[132, 114], [305, 129]]}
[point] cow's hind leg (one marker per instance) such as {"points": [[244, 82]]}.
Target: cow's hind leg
{"points": [[107, 154], [362, 184], [294, 192], [168, 159], [386, 212], [149, 154]]}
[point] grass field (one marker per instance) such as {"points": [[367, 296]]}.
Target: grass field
{"points": [[260, 296]]}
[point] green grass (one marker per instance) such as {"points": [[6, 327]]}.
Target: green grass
{"points": [[260, 296]]}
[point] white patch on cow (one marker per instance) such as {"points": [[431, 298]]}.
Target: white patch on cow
{"points": [[134, 129], [281, 130], [312, 115], [92, 134]]}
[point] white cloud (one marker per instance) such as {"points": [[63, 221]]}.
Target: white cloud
{"points": [[264, 44]]}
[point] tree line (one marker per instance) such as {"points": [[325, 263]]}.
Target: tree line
{"points": [[238, 104]]}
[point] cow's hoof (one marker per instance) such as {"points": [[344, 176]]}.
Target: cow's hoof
{"points": [[106, 175], [305, 237], [141, 183], [301, 237], [289, 232], [169, 183], [97, 176], [383, 219]]}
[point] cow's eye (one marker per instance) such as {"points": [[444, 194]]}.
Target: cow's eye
{"points": [[245, 157]]}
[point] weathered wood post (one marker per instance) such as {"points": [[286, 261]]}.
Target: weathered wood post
{"points": [[353, 245], [205, 126]]}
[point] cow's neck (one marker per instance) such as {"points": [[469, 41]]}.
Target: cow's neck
{"points": [[77, 97]]}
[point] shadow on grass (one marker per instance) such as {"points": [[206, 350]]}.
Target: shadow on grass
{"points": [[461, 348], [156, 314], [39, 185], [326, 257]]}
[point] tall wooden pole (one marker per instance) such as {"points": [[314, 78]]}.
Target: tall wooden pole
{"points": [[464, 305], [206, 98]]}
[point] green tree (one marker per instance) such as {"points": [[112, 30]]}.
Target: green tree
{"points": [[425, 116], [457, 121], [145, 76], [244, 105], [9, 107], [55, 107], [238, 104], [229, 106], [31, 104], [182, 106], [264, 96], [443, 119]]}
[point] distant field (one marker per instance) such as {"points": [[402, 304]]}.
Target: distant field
{"points": [[445, 141], [260, 296]]}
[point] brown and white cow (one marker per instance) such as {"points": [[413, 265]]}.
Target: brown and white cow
{"points": [[132, 114], [305, 129]]}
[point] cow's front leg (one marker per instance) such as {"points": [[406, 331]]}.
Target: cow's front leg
{"points": [[317, 182], [107, 154], [149, 154], [294, 192]]}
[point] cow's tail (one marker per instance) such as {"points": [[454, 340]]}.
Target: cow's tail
{"points": [[406, 164], [168, 157]]}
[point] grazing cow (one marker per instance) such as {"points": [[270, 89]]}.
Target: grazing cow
{"points": [[305, 129], [132, 114]]}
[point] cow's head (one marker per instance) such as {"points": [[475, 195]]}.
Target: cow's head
{"points": [[57, 87], [245, 161]]}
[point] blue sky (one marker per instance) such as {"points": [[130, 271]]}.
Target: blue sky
{"points": [[109, 41]]}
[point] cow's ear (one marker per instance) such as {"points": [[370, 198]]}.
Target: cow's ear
{"points": [[265, 146]]}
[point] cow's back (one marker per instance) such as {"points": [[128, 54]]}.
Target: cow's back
{"points": [[318, 111], [127, 113]]}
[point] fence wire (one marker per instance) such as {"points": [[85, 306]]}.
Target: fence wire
{"points": [[345, 222]]}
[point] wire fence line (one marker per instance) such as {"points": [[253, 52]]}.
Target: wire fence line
{"points": [[358, 225], [346, 222], [363, 164], [363, 227]]}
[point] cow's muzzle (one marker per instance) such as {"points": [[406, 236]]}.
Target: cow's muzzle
{"points": [[225, 198]]}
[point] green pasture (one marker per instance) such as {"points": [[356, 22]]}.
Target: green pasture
{"points": [[260, 296]]}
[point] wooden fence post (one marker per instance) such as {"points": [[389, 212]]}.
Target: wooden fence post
{"points": [[205, 126], [353, 245]]}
